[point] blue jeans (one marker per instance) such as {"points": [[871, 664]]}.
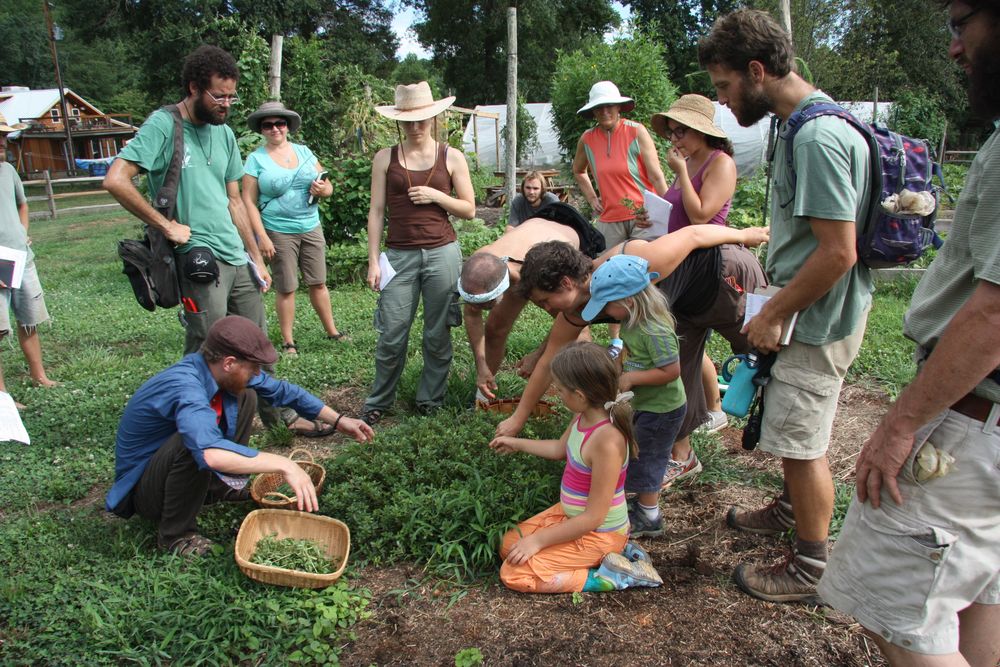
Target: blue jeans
{"points": [[655, 432]]}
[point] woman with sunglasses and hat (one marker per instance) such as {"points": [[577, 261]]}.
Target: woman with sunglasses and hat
{"points": [[421, 182], [280, 186], [702, 192]]}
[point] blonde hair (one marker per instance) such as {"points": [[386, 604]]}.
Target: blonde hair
{"points": [[536, 176], [646, 308], [587, 368]]}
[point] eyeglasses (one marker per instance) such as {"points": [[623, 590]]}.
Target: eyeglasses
{"points": [[677, 132], [271, 124], [957, 26], [223, 99]]}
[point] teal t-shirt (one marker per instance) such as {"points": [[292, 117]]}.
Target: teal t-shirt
{"points": [[653, 346], [211, 159], [284, 193], [12, 232], [833, 182]]}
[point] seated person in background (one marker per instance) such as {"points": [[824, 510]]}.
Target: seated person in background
{"points": [[182, 440], [489, 273], [534, 195]]}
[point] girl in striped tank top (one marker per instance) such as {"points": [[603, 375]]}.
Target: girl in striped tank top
{"points": [[581, 542]]}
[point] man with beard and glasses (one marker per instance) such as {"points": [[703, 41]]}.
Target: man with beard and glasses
{"points": [[918, 560], [812, 258], [211, 221], [182, 441]]}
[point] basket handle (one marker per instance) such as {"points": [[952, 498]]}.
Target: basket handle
{"points": [[278, 496], [304, 452]]}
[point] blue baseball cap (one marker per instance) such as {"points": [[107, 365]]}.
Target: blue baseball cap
{"points": [[620, 277]]}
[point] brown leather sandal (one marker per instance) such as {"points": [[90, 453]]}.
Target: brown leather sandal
{"points": [[190, 545]]}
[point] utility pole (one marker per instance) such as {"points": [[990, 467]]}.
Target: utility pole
{"points": [[510, 171], [70, 154], [275, 75]]}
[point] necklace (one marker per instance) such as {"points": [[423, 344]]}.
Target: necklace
{"points": [[197, 135]]}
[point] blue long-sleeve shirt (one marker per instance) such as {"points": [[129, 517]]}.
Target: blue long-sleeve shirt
{"points": [[177, 400]]}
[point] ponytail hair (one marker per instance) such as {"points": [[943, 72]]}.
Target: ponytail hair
{"points": [[587, 368]]}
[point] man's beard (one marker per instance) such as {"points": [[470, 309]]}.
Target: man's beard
{"points": [[206, 115], [754, 105], [984, 91]]}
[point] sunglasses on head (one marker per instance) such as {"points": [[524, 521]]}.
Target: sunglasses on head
{"points": [[271, 124]]}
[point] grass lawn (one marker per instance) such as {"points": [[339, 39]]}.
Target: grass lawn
{"points": [[81, 587]]}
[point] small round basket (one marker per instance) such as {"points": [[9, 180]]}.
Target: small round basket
{"points": [[263, 489], [507, 406], [331, 535]]}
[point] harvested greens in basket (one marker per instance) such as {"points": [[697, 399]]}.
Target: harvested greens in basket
{"points": [[292, 554]]}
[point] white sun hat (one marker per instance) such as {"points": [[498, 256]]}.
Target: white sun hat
{"points": [[603, 93]]}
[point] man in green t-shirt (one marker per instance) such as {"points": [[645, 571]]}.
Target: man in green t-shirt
{"points": [[918, 560], [812, 258]]}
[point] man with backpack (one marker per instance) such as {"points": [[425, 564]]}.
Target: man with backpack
{"points": [[918, 559], [820, 200], [210, 230]]}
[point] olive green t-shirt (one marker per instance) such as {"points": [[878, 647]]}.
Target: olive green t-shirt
{"points": [[653, 346], [971, 254], [211, 159], [833, 182]]}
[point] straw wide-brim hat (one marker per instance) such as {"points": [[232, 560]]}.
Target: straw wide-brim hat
{"points": [[694, 111], [273, 110], [603, 93], [415, 101], [4, 127]]}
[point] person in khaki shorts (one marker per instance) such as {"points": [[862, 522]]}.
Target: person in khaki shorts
{"points": [[812, 258], [918, 560], [281, 188]]}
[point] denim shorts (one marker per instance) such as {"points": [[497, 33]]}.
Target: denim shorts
{"points": [[655, 432], [27, 302]]}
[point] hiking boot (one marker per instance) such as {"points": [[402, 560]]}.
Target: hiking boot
{"points": [[624, 573], [642, 526], [792, 580], [678, 470], [774, 519], [634, 552], [716, 422]]}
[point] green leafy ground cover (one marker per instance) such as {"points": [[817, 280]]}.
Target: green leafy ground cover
{"points": [[79, 587]]}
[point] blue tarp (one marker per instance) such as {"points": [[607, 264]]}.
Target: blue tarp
{"points": [[97, 167]]}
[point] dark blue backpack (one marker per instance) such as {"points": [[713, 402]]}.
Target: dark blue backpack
{"points": [[898, 163]]}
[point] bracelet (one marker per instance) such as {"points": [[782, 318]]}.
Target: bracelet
{"points": [[337, 421]]}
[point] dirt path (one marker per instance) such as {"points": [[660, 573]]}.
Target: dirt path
{"points": [[697, 618]]}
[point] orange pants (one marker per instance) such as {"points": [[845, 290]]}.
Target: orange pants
{"points": [[561, 568]]}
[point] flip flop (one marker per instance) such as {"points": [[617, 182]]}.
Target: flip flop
{"points": [[319, 430]]}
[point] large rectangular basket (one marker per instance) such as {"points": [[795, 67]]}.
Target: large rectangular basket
{"points": [[333, 536]]}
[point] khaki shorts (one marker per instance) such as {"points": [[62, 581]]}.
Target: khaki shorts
{"points": [[800, 401], [905, 572], [27, 302], [619, 232], [295, 252]]}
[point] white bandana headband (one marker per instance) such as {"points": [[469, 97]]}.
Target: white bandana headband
{"points": [[488, 296]]}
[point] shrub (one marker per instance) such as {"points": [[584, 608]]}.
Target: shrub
{"points": [[918, 114], [634, 63], [748, 201], [527, 133], [345, 213]]}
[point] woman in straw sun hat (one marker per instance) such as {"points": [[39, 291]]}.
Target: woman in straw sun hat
{"points": [[280, 187], [415, 181], [702, 192]]}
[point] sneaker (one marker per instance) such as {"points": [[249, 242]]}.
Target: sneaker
{"points": [[716, 422], [678, 470], [624, 573], [793, 580], [634, 552], [615, 348], [643, 526], [774, 519]]}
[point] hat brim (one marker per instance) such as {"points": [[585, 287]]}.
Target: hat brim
{"points": [[423, 113], [593, 308], [294, 120], [626, 104], [16, 127], [690, 120]]}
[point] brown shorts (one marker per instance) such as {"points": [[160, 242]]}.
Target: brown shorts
{"points": [[295, 252]]}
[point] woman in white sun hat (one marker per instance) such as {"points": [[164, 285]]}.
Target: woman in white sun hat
{"points": [[416, 180]]}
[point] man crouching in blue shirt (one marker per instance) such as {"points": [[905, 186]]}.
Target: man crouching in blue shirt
{"points": [[182, 440]]}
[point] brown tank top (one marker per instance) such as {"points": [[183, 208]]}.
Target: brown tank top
{"points": [[417, 225]]}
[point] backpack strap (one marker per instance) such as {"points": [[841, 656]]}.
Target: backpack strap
{"points": [[165, 200]]}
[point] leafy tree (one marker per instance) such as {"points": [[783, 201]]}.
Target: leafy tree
{"points": [[527, 133], [469, 42], [413, 69], [24, 45], [635, 63]]}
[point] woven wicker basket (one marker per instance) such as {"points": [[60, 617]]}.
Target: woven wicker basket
{"points": [[332, 535], [507, 406], [263, 489]]}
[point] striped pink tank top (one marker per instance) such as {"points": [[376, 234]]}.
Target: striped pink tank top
{"points": [[575, 488]]}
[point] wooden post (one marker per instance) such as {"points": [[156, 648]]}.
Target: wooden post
{"points": [[786, 15], [875, 107], [475, 133], [496, 133], [70, 153], [275, 73], [944, 138], [49, 194], [511, 148]]}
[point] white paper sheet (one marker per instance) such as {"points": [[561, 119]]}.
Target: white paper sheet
{"points": [[11, 426], [756, 301], [255, 271], [20, 259], [658, 209], [386, 272]]}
